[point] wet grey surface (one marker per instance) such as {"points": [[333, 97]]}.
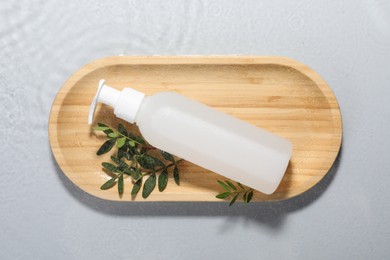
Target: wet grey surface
{"points": [[44, 216]]}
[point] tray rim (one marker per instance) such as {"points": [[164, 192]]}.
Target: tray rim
{"points": [[182, 60]]}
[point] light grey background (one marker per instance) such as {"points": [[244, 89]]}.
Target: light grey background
{"points": [[44, 216]]}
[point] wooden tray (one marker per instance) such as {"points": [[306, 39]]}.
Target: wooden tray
{"points": [[276, 93]]}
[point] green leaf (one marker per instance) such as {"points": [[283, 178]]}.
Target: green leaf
{"points": [[131, 135], [127, 171], [108, 184], [176, 176], [136, 187], [244, 197], [133, 172], [128, 156], [240, 185], [249, 197], [131, 151], [223, 185], [231, 185], [146, 162], [139, 139], [223, 195], [122, 130], [121, 142], [101, 124], [167, 156], [163, 180], [149, 185], [109, 130], [158, 162], [120, 184], [120, 163], [131, 143], [106, 147], [143, 150], [149, 162], [113, 135], [121, 152], [136, 173], [110, 167], [234, 199], [100, 128]]}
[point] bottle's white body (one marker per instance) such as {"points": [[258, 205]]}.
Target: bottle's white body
{"points": [[214, 140]]}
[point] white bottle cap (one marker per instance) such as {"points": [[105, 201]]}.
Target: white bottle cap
{"points": [[125, 103]]}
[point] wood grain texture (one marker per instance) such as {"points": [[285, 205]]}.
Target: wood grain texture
{"points": [[275, 93]]}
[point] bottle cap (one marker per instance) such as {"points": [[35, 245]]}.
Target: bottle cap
{"points": [[125, 103]]}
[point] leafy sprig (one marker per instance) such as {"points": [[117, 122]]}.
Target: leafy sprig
{"points": [[135, 159], [234, 192]]}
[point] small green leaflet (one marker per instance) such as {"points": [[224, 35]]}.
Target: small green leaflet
{"points": [[149, 162], [249, 196], [135, 173], [121, 153], [129, 152], [223, 195], [101, 128], [158, 162], [106, 147], [176, 176], [120, 163], [108, 184], [107, 131], [113, 135], [167, 156], [127, 171], [131, 135], [122, 130], [149, 185], [231, 185], [234, 199], [146, 162], [139, 139], [223, 185], [136, 187], [120, 184], [121, 142], [110, 167], [163, 180]]}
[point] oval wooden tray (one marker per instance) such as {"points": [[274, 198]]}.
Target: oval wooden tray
{"points": [[276, 93]]}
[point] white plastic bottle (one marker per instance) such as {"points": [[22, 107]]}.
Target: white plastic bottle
{"points": [[202, 135]]}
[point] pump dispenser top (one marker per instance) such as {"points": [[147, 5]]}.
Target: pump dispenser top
{"points": [[125, 103]]}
